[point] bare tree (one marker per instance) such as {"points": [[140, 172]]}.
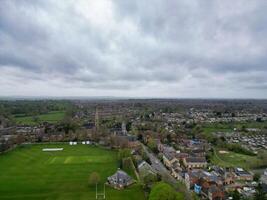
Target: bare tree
{"points": [[94, 178]]}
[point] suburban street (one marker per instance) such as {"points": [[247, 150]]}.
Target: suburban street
{"points": [[164, 172], [159, 167]]}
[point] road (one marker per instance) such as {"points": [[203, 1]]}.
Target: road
{"points": [[159, 167], [165, 173]]}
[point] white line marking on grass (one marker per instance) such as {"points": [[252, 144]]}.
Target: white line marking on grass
{"points": [[53, 149]]}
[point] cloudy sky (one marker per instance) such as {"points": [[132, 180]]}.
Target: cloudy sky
{"points": [[142, 48]]}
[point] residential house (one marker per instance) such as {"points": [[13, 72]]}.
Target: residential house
{"points": [[169, 158], [176, 169], [227, 175], [182, 156], [192, 177], [202, 177], [89, 125], [160, 146], [202, 182], [243, 175], [144, 169], [198, 152], [195, 162], [120, 180], [215, 193]]}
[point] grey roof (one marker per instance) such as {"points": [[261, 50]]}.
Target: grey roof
{"points": [[169, 155], [213, 189], [196, 160], [176, 164], [120, 177], [145, 167]]}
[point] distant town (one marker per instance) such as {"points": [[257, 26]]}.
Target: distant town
{"points": [[193, 148]]}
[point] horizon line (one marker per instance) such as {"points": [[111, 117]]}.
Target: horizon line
{"points": [[47, 97]]}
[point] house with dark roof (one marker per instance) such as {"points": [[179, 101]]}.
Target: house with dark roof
{"points": [[181, 156], [192, 177], [206, 184], [144, 169], [176, 169], [89, 125], [198, 152], [243, 174], [120, 180], [215, 193], [195, 162], [169, 158], [199, 176]]}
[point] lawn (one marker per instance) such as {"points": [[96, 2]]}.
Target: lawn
{"points": [[229, 127], [232, 159], [210, 129], [51, 117], [28, 173]]}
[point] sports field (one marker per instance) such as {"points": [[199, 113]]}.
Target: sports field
{"points": [[232, 159], [229, 127], [29, 173], [51, 117]]}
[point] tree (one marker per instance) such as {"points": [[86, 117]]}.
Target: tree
{"points": [[260, 195], [124, 153], [69, 124], [129, 126], [127, 164], [140, 137], [149, 179], [36, 119], [20, 139], [256, 177], [94, 178], [152, 145], [262, 155], [163, 191], [236, 195], [243, 128], [169, 138]]}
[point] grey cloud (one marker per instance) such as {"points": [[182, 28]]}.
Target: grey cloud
{"points": [[135, 44]]}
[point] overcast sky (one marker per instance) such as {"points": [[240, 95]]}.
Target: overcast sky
{"points": [[142, 48]]}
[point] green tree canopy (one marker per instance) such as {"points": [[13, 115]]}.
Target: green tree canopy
{"points": [[124, 153], [163, 191], [260, 194], [236, 195], [152, 145]]}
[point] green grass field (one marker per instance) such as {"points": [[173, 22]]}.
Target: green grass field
{"points": [[229, 127], [51, 117], [232, 159], [28, 173]]}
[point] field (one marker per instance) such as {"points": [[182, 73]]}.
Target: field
{"points": [[232, 159], [51, 117], [210, 128], [28, 173], [229, 127]]}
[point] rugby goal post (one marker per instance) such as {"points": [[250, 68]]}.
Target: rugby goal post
{"points": [[100, 195]]}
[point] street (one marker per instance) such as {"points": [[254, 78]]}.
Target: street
{"points": [[165, 173], [160, 168]]}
